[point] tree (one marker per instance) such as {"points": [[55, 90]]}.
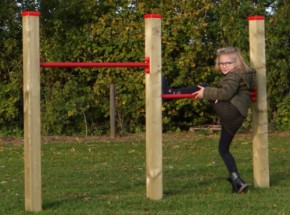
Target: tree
{"points": [[76, 101], [10, 66], [278, 64]]}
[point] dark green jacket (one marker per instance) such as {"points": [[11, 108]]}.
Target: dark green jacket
{"points": [[234, 87]]}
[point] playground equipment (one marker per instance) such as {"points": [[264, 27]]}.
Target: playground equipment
{"points": [[178, 96], [153, 66], [31, 93], [94, 65], [259, 109]]}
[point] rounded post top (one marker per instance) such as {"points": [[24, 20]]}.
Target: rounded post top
{"points": [[250, 18], [154, 15], [30, 13]]}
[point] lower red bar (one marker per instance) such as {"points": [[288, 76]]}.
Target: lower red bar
{"points": [[178, 96]]}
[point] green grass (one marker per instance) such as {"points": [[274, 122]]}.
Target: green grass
{"points": [[108, 177]]}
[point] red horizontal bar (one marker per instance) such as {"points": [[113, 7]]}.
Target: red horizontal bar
{"points": [[79, 64], [178, 96]]}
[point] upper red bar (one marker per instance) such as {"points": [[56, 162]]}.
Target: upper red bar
{"points": [[256, 18], [30, 13], [152, 16], [90, 65]]}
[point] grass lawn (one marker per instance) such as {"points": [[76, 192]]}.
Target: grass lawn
{"points": [[106, 176]]}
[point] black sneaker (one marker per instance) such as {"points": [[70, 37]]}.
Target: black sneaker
{"points": [[165, 87]]}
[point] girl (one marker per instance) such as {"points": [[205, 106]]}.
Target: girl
{"points": [[230, 100]]}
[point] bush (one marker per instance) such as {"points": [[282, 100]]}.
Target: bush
{"points": [[282, 118]]}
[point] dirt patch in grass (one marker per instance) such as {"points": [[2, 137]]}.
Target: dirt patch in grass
{"points": [[176, 136], [75, 139]]}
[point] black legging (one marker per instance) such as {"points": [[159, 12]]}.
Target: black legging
{"points": [[224, 150], [232, 119], [188, 90], [229, 117]]}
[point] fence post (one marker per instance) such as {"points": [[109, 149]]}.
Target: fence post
{"points": [[31, 93], [260, 118], [153, 107], [113, 110]]}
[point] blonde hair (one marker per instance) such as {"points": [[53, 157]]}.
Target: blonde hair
{"points": [[235, 54]]}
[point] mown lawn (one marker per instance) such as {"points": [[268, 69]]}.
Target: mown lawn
{"points": [[107, 176]]}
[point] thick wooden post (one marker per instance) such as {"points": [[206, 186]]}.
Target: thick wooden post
{"points": [[260, 117], [153, 107], [112, 111], [31, 93]]}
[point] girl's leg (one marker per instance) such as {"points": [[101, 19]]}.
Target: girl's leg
{"points": [[224, 151], [238, 184], [186, 90], [166, 89]]}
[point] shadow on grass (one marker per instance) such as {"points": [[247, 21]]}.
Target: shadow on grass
{"points": [[279, 178], [195, 185], [55, 204], [77, 199]]}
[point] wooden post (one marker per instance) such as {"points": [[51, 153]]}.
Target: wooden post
{"points": [[260, 118], [31, 93], [153, 107], [113, 110]]}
